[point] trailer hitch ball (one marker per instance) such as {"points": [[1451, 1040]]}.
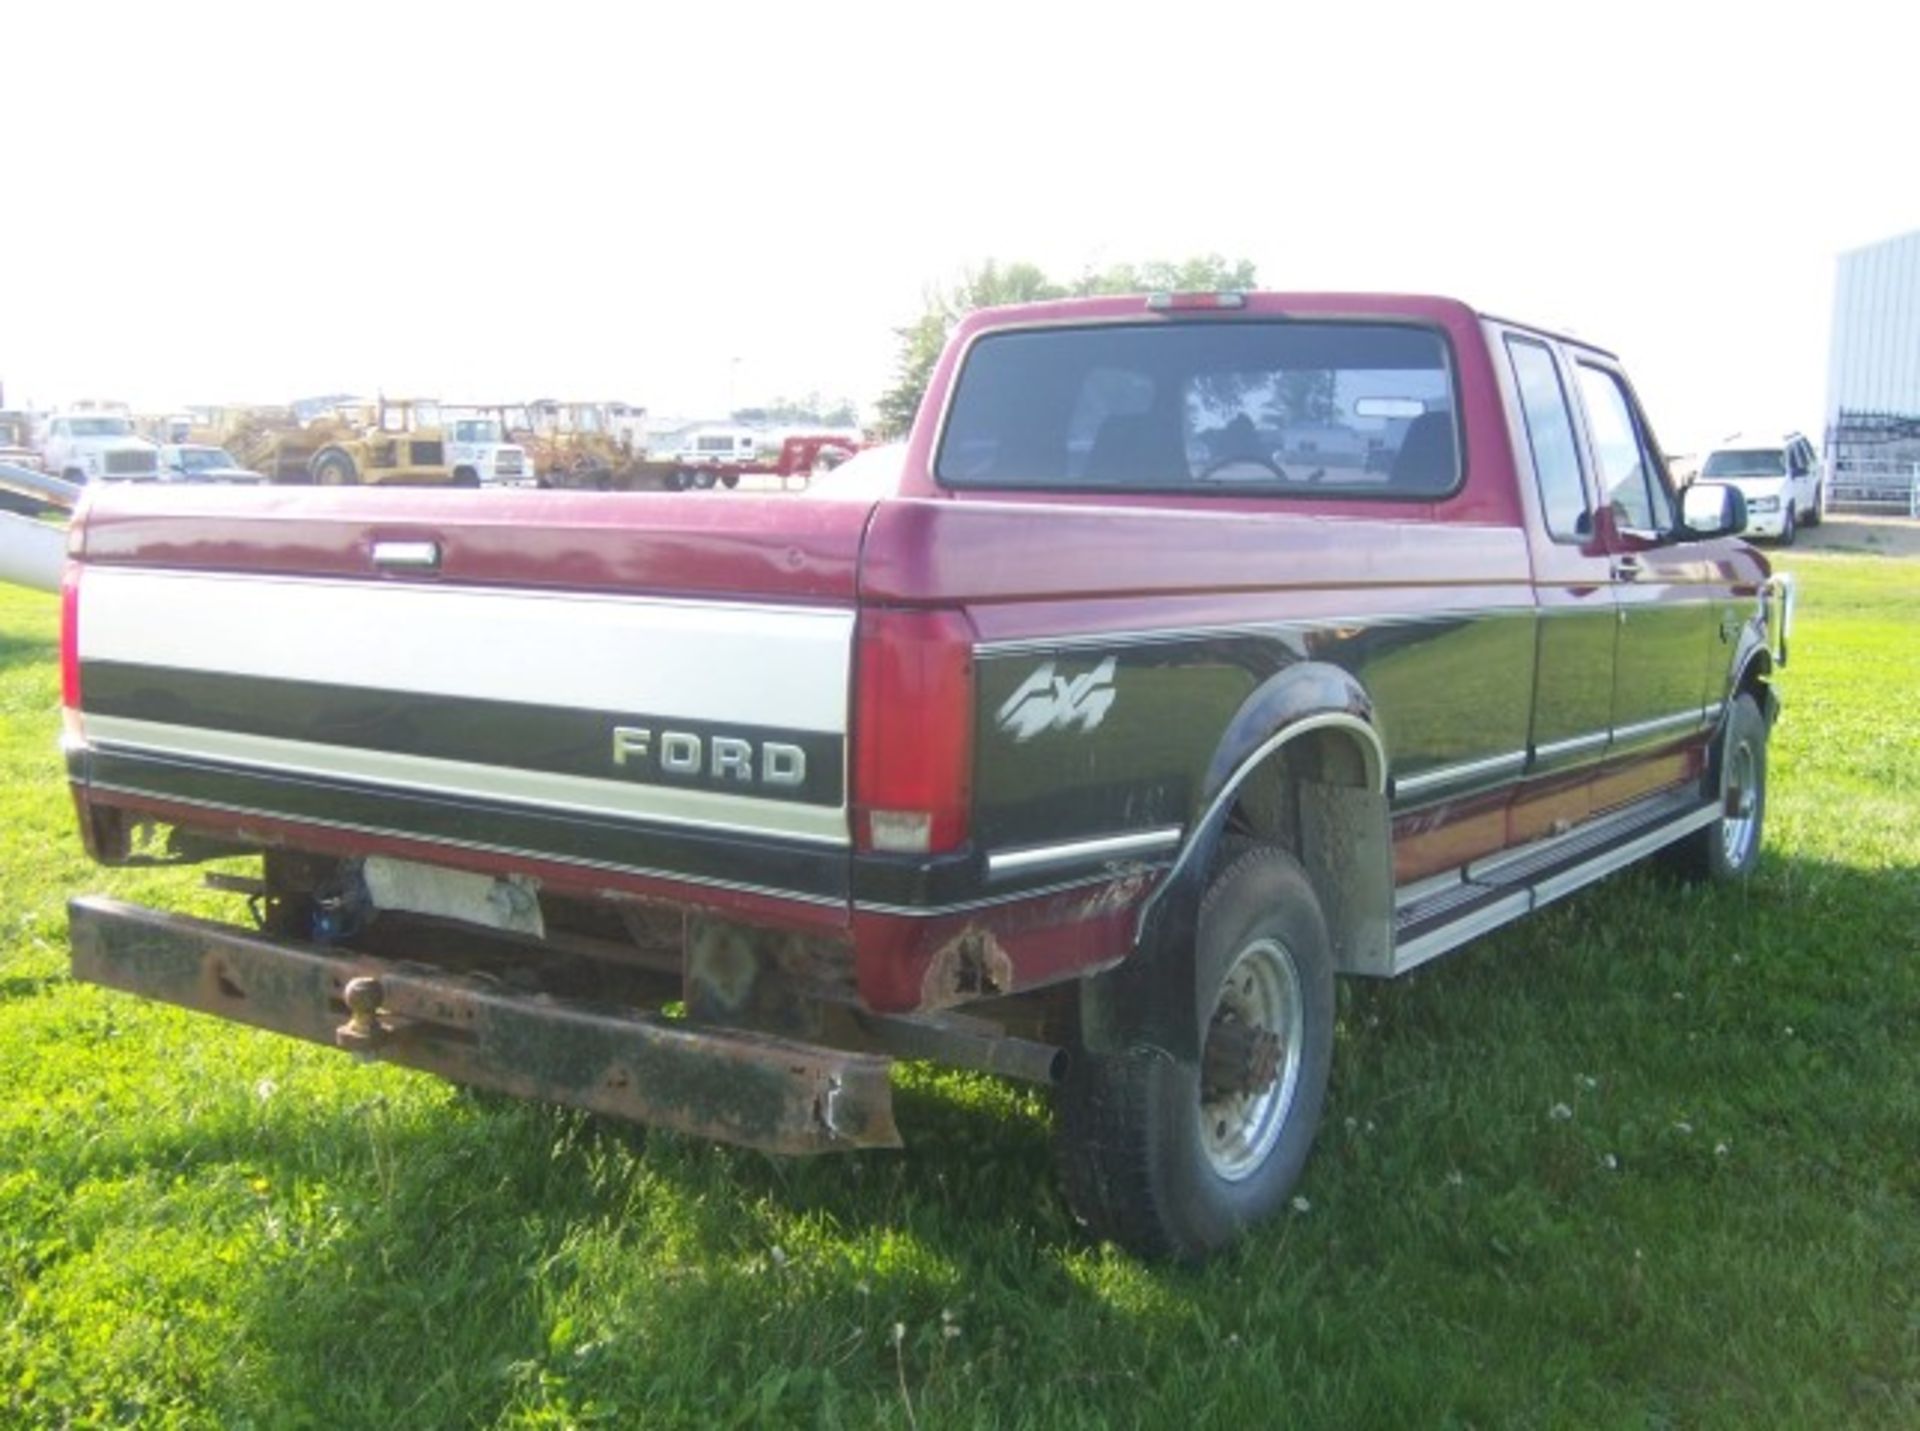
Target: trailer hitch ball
{"points": [[362, 1029]]}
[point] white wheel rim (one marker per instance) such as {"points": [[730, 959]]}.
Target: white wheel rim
{"points": [[1238, 1130], [1743, 797]]}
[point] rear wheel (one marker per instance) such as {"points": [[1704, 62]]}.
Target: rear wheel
{"points": [[1729, 848], [1174, 1158], [703, 479], [335, 469]]}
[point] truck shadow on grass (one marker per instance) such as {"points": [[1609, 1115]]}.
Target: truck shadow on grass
{"points": [[17, 651], [465, 1259], [491, 1256]]}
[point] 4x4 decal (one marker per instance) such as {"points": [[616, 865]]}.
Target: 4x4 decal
{"points": [[1047, 701]]}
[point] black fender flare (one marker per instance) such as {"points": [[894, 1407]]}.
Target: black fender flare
{"points": [[1128, 1006]]}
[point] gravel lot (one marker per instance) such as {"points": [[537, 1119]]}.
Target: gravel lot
{"points": [[1883, 536]]}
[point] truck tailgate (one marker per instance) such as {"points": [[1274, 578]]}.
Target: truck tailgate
{"points": [[655, 686]]}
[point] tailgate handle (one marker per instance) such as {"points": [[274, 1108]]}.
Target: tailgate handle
{"points": [[407, 556]]}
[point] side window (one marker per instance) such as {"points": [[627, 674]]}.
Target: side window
{"points": [[1556, 455], [1632, 486]]}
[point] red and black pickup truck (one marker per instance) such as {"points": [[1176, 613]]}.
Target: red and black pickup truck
{"points": [[1202, 648]]}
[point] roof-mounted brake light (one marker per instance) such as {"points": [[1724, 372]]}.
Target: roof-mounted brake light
{"points": [[1194, 302]]}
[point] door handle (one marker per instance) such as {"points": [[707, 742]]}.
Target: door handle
{"points": [[407, 556], [1627, 568]]}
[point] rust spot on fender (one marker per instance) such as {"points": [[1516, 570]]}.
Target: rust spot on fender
{"points": [[971, 965]]}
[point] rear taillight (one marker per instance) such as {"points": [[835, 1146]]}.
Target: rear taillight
{"points": [[913, 732], [70, 636]]}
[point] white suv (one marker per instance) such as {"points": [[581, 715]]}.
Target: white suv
{"points": [[1779, 477]]}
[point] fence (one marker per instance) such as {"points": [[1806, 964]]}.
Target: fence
{"points": [[1861, 484]]}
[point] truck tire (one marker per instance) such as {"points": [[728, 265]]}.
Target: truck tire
{"points": [[1174, 1158], [730, 480], [1729, 848], [1788, 527], [703, 479], [1814, 513], [335, 469]]}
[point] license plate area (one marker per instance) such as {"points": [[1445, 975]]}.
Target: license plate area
{"points": [[509, 903]]}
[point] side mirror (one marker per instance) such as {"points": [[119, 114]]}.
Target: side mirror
{"points": [[1712, 509]]}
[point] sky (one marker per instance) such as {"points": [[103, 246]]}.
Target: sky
{"points": [[700, 207]]}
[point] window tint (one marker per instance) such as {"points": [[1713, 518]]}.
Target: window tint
{"points": [[1296, 408], [1633, 490], [1556, 455]]}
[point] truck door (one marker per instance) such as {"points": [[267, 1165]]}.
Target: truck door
{"points": [[1573, 579], [1665, 595]]}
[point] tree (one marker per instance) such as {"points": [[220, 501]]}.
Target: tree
{"points": [[1208, 273], [812, 409], [922, 340], [993, 283]]}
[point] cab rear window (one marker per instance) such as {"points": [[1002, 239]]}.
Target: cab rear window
{"points": [[1298, 408]]}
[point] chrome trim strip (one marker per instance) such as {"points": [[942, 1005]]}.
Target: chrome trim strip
{"points": [[1450, 775], [1012, 896], [1572, 745], [1527, 898], [426, 775], [1001, 863], [672, 876], [1035, 645], [1431, 945], [1547, 890], [1376, 766], [1659, 723]]}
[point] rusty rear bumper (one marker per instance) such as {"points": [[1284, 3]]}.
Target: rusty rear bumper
{"points": [[731, 1086]]}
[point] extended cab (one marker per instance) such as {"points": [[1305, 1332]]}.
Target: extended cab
{"points": [[1203, 648]]}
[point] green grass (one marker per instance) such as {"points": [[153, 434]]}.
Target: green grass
{"points": [[1650, 1158]]}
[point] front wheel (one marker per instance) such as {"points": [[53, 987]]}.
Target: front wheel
{"points": [[1175, 1157], [1729, 848], [1814, 513], [1787, 529]]}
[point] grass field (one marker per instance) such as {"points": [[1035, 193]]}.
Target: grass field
{"points": [[1651, 1158]]}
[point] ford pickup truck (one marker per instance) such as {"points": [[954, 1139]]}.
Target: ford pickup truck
{"points": [[1203, 648]]}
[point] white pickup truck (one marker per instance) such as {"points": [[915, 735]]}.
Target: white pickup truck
{"points": [[481, 456], [90, 446]]}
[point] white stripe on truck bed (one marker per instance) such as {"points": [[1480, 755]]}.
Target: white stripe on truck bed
{"points": [[716, 661]]}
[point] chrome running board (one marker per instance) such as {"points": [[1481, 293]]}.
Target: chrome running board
{"points": [[1439, 914]]}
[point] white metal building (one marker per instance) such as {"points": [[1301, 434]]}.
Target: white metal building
{"points": [[1873, 377]]}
